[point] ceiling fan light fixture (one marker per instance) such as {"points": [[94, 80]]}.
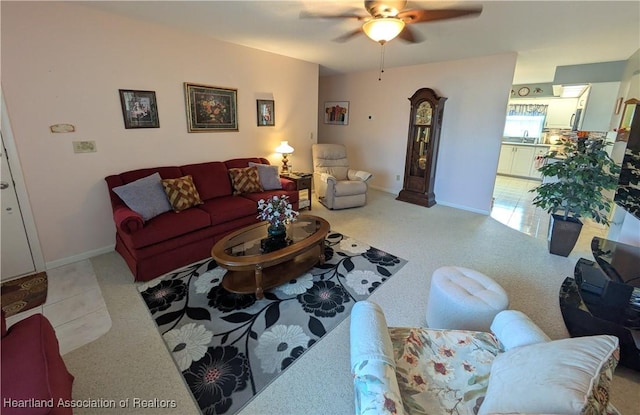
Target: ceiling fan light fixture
{"points": [[383, 29]]}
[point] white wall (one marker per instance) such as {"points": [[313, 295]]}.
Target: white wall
{"points": [[474, 115], [64, 63]]}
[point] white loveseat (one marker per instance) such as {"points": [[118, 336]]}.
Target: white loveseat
{"points": [[515, 368]]}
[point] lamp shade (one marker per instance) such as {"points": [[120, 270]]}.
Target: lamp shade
{"points": [[383, 29], [284, 148]]}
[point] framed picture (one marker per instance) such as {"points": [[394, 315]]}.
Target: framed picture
{"points": [[266, 113], [211, 108], [139, 109], [336, 112]]}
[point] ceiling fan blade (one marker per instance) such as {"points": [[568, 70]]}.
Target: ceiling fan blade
{"points": [[419, 16], [410, 36], [348, 35], [310, 15]]}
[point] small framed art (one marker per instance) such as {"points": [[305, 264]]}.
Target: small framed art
{"points": [[211, 108], [266, 112], [139, 109], [336, 112]]}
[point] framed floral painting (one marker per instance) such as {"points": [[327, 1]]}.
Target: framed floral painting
{"points": [[139, 109], [211, 108]]}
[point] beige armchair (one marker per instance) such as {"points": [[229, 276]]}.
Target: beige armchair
{"points": [[336, 185]]}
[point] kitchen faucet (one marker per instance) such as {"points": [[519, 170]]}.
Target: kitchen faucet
{"points": [[526, 133]]}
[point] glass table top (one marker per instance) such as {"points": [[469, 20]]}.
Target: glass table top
{"points": [[252, 241]]}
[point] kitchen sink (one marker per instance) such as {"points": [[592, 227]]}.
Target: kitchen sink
{"points": [[519, 140]]}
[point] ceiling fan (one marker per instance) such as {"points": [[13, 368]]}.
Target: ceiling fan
{"points": [[388, 19]]}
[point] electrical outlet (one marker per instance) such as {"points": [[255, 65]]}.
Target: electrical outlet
{"points": [[397, 177], [84, 147]]}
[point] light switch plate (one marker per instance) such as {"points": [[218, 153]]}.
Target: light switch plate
{"points": [[84, 147]]}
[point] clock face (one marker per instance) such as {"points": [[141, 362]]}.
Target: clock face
{"points": [[524, 91]]}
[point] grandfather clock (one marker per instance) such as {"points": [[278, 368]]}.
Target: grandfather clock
{"points": [[422, 148]]}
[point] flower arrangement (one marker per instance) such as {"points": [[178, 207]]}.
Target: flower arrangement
{"points": [[276, 210]]}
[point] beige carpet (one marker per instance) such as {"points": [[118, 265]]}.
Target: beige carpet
{"points": [[131, 360]]}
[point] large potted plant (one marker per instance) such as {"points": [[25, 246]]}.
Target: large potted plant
{"points": [[573, 184]]}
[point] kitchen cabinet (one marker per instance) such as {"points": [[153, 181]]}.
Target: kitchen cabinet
{"points": [[600, 107], [520, 160], [539, 151], [515, 160], [561, 112]]}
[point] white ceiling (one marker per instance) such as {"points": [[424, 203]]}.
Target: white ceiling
{"points": [[545, 34]]}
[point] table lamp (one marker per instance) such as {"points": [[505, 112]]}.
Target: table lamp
{"points": [[285, 149]]}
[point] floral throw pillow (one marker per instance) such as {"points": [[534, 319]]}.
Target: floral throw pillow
{"points": [[442, 371], [181, 192], [245, 180]]}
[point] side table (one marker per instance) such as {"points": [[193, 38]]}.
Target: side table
{"points": [[303, 182]]}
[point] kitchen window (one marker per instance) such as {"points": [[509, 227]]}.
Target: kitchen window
{"points": [[525, 120]]}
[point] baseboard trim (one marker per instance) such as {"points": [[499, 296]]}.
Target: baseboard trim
{"points": [[467, 208], [384, 189], [453, 205], [80, 257]]}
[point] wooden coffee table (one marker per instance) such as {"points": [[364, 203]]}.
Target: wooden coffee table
{"points": [[252, 271]]}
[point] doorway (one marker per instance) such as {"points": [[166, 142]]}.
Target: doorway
{"points": [[15, 251], [19, 247]]}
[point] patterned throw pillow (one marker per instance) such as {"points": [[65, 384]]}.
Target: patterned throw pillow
{"points": [[181, 192], [245, 180]]}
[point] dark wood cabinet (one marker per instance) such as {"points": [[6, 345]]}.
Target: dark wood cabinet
{"points": [[425, 120]]}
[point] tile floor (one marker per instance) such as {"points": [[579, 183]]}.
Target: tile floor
{"points": [[74, 306], [512, 206]]}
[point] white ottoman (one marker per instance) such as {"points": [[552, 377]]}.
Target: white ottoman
{"points": [[463, 299]]}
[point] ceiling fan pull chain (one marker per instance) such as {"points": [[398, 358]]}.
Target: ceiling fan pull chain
{"points": [[381, 63]]}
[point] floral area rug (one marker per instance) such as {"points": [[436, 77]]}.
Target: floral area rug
{"points": [[231, 346]]}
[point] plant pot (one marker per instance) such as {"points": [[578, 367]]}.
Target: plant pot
{"points": [[563, 234]]}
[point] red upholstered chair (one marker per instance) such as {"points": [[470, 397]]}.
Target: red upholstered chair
{"points": [[33, 372]]}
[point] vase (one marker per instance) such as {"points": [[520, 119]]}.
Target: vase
{"points": [[277, 231]]}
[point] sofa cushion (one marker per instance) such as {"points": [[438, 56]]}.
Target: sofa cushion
{"points": [[145, 196], [166, 226], [244, 162], [568, 376], [169, 172], [211, 179], [269, 177], [245, 180], [293, 196], [442, 371], [182, 193], [228, 208]]}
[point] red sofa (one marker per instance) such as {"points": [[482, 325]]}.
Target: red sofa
{"points": [[172, 240], [35, 379]]}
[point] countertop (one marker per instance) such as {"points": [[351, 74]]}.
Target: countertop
{"points": [[525, 144]]}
